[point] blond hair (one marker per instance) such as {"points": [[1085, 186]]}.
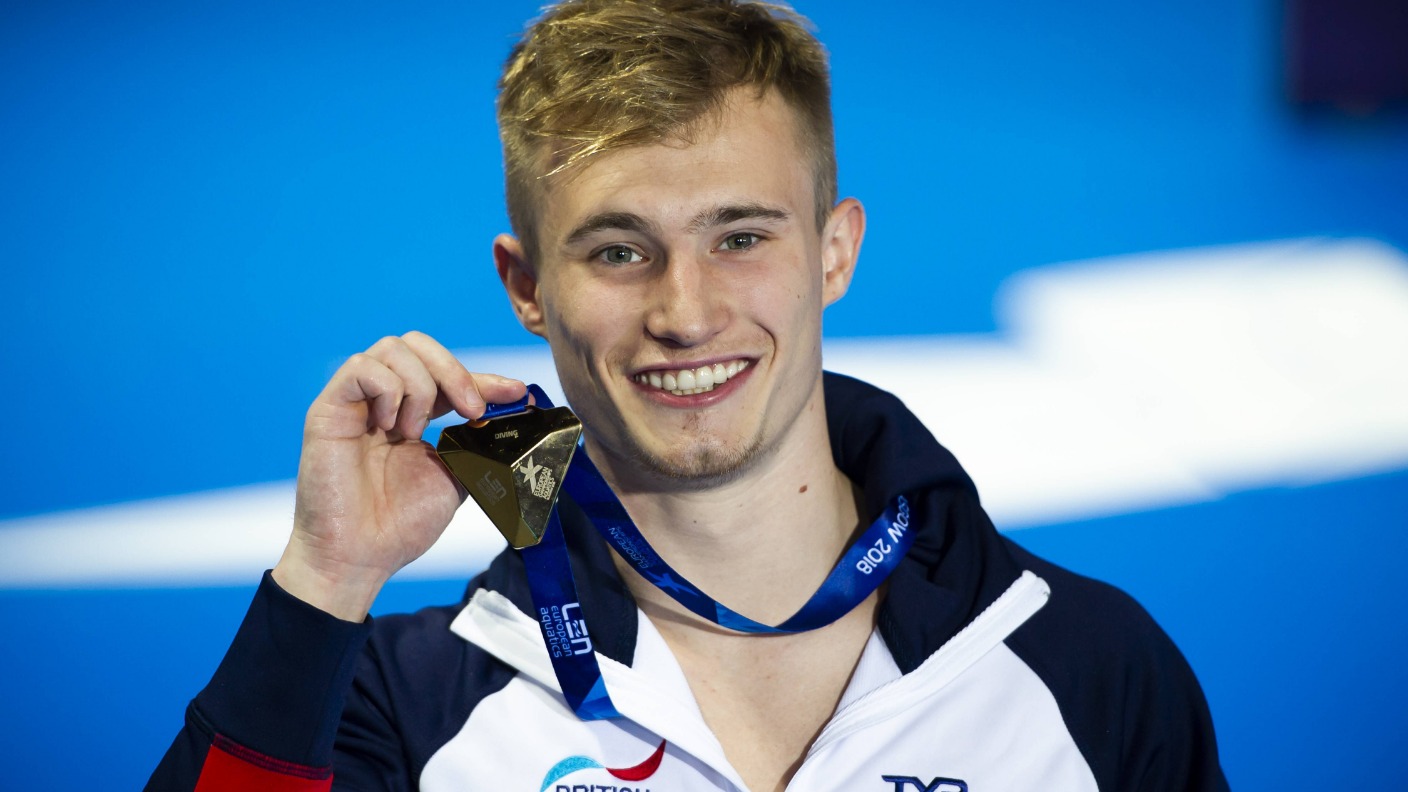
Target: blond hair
{"points": [[591, 76]]}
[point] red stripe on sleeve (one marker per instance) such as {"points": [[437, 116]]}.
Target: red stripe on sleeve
{"points": [[230, 767]]}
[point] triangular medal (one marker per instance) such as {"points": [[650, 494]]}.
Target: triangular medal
{"points": [[513, 466]]}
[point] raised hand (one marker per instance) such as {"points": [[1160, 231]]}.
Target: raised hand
{"points": [[372, 497]]}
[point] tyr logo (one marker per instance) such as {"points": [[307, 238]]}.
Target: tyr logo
{"points": [[937, 785]]}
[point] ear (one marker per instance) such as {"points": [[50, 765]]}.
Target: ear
{"points": [[520, 282], [840, 248]]}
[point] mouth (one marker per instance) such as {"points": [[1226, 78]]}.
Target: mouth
{"points": [[692, 381]]}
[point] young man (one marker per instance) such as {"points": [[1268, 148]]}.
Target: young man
{"points": [[672, 185]]}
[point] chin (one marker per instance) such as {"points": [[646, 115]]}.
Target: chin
{"points": [[703, 465]]}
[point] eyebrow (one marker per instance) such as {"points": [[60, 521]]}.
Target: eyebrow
{"points": [[732, 213], [709, 218], [612, 221]]}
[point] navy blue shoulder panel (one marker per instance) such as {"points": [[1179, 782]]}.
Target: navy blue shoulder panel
{"points": [[1127, 695]]}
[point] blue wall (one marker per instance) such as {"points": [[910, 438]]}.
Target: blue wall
{"points": [[206, 208]]}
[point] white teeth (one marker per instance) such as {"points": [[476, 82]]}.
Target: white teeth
{"points": [[687, 382]]}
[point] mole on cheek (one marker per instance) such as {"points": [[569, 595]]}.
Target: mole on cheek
{"points": [[803, 489]]}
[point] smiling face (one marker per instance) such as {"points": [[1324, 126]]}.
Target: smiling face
{"points": [[681, 287]]}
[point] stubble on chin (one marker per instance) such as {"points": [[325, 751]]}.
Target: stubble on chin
{"points": [[705, 459], [701, 466]]}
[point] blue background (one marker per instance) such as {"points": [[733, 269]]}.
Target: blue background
{"points": [[206, 207]]}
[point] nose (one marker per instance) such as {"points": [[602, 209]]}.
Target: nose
{"points": [[687, 306]]}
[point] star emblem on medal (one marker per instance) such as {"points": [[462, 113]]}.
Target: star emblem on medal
{"points": [[539, 478], [530, 472]]}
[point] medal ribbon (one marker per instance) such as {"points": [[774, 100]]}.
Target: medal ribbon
{"points": [[563, 626], [864, 566]]}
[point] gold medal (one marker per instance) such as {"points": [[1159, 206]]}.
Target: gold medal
{"points": [[513, 466]]}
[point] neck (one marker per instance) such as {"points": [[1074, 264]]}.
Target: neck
{"points": [[760, 543]]}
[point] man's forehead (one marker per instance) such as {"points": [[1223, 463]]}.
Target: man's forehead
{"points": [[742, 163]]}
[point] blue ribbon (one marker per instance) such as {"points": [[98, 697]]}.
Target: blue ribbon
{"points": [[865, 565], [564, 628]]}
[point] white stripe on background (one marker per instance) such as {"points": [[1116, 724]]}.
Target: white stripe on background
{"points": [[1116, 385]]}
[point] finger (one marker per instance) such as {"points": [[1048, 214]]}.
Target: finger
{"points": [[497, 389], [367, 384], [421, 391], [460, 390]]}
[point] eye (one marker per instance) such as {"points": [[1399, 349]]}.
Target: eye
{"points": [[740, 241], [619, 254]]}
